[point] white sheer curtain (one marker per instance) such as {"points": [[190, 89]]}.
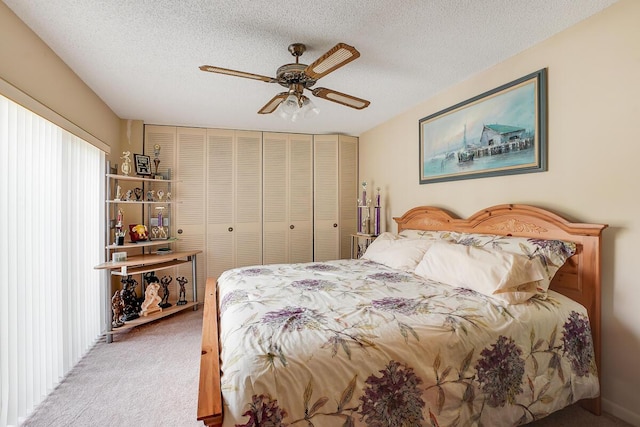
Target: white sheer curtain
{"points": [[51, 236]]}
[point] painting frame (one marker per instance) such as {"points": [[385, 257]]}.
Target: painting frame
{"points": [[143, 164], [500, 132]]}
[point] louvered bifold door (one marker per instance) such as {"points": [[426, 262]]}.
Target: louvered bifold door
{"points": [[275, 198], [348, 179], [248, 199], [220, 201], [190, 203], [325, 205], [300, 202]]}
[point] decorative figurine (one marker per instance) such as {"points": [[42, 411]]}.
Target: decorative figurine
{"points": [[126, 162], [364, 222], [156, 158], [150, 195], [129, 299], [118, 193], [150, 277], [127, 196], [183, 294], [138, 193], [168, 196], [166, 280], [377, 221], [151, 300], [160, 194], [117, 306], [138, 232]]}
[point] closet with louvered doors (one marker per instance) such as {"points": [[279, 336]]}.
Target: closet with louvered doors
{"points": [[335, 188], [233, 198], [287, 198]]}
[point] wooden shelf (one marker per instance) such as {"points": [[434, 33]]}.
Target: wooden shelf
{"points": [[155, 316], [140, 202], [138, 178], [135, 260], [124, 271], [144, 244]]}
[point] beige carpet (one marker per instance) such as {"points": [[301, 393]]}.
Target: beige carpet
{"points": [[149, 377]]}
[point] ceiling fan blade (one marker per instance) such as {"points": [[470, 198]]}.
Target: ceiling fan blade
{"points": [[271, 106], [335, 58], [341, 98], [226, 71]]}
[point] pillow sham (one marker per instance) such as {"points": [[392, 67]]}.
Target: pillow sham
{"points": [[509, 277], [394, 252], [549, 254]]}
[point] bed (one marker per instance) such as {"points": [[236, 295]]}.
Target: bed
{"points": [[371, 342]]}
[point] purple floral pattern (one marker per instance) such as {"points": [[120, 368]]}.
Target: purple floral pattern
{"points": [[389, 277], [374, 346], [313, 284], [264, 412], [232, 298], [500, 372], [397, 305], [292, 318], [394, 398], [578, 344]]}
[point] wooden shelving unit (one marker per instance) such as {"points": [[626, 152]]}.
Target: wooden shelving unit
{"points": [[149, 259]]}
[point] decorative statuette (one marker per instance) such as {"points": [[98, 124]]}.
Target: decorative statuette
{"points": [[151, 302], [156, 158], [364, 222], [160, 194], [126, 162], [118, 193], [377, 226], [183, 294], [166, 280], [117, 307]]}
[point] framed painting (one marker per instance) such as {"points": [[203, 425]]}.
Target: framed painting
{"points": [[143, 164], [500, 132]]}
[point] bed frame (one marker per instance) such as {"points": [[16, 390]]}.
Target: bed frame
{"points": [[578, 279]]}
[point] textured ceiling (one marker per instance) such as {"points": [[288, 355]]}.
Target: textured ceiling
{"points": [[142, 57]]}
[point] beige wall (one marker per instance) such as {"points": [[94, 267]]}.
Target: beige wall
{"points": [[27, 63], [594, 167]]}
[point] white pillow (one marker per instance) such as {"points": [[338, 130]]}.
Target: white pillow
{"points": [[510, 277], [394, 252]]}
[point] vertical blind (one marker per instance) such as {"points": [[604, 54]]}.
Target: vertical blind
{"points": [[51, 236]]}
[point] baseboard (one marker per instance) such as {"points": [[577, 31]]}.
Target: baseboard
{"points": [[620, 412]]}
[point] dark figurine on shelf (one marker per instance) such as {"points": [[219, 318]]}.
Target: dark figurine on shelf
{"points": [[129, 299], [138, 193], [182, 300], [117, 306], [151, 277], [165, 291]]}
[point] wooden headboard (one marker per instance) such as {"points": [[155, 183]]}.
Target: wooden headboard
{"points": [[578, 279]]}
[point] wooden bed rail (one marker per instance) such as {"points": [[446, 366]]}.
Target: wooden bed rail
{"points": [[209, 396]]}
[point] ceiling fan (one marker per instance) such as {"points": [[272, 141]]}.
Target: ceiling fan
{"points": [[297, 77]]}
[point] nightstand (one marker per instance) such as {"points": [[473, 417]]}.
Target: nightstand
{"points": [[360, 243]]}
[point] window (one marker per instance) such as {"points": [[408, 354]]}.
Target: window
{"points": [[51, 216]]}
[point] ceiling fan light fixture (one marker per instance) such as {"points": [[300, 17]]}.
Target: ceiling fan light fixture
{"points": [[309, 109], [290, 104]]}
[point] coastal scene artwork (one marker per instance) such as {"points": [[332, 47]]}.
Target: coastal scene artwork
{"points": [[500, 132]]}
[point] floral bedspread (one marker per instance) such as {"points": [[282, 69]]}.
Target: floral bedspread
{"points": [[355, 343]]}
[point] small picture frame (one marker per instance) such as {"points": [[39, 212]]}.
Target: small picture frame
{"points": [[143, 164]]}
